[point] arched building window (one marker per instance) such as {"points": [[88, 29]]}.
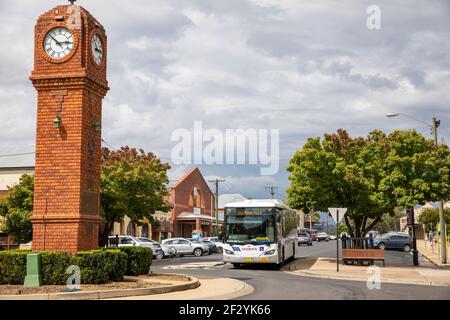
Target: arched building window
{"points": [[131, 229], [144, 232], [196, 199]]}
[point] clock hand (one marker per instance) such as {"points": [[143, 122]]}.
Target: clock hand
{"points": [[57, 42]]}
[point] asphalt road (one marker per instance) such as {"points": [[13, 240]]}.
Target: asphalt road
{"points": [[274, 284]]}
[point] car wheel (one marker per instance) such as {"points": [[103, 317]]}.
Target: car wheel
{"points": [[219, 250], [406, 248], [198, 252], [160, 255], [381, 246], [236, 265]]}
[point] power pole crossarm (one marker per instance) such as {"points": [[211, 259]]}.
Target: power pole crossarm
{"points": [[272, 190]]}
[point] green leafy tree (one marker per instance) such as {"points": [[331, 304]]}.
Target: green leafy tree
{"points": [[430, 217], [414, 170], [17, 209], [133, 184], [369, 176], [338, 171], [390, 222], [342, 228]]}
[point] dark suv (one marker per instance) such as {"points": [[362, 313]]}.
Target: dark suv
{"points": [[394, 241]]}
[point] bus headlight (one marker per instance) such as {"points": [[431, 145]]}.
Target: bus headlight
{"points": [[228, 252], [267, 253]]}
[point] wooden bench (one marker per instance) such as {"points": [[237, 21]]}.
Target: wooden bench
{"points": [[361, 255]]}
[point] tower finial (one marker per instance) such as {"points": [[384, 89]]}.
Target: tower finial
{"points": [[72, 1]]}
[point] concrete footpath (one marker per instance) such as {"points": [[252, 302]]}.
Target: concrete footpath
{"points": [[426, 274], [431, 253], [209, 289]]}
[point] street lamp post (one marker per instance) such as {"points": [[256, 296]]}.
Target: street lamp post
{"points": [[434, 125]]}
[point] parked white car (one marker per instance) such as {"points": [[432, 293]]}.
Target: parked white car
{"points": [[130, 241], [25, 246], [184, 246]]}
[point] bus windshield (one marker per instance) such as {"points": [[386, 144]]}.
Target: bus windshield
{"points": [[250, 226]]}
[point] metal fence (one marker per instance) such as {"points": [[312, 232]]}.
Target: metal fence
{"points": [[358, 243]]}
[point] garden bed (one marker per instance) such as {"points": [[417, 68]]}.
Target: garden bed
{"points": [[7, 290]]}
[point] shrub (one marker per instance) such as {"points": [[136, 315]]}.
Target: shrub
{"points": [[97, 266], [13, 267], [139, 260], [92, 266], [116, 264], [54, 266]]}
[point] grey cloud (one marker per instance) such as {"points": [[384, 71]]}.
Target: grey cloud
{"points": [[304, 68]]}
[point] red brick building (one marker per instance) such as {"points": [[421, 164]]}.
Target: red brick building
{"points": [[193, 211], [193, 205]]}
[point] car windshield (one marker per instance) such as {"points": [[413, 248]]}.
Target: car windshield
{"points": [[145, 240], [250, 228]]}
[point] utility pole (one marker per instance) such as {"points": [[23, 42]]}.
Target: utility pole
{"points": [[271, 192], [216, 182], [443, 232]]}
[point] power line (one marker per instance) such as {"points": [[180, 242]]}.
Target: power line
{"points": [[16, 154], [238, 190], [103, 140]]}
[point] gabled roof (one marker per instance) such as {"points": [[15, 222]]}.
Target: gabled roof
{"points": [[189, 173]]}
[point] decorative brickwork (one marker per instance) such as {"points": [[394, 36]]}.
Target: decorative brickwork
{"points": [[67, 186]]}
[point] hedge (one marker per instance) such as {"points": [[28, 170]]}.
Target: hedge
{"points": [[139, 260], [54, 266], [97, 266], [13, 267]]}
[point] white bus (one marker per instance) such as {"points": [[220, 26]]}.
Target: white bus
{"points": [[259, 231]]}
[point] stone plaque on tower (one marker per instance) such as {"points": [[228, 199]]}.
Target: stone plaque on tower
{"points": [[70, 79]]}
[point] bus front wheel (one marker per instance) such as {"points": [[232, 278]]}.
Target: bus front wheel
{"points": [[236, 265]]}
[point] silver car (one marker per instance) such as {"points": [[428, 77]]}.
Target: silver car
{"points": [[130, 241], [217, 242], [165, 251], [184, 246]]}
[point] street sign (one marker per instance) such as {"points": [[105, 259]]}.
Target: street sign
{"points": [[197, 211], [334, 213], [410, 218], [337, 214]]}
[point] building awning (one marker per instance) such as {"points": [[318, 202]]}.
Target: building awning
{"points": [[184, 216]]}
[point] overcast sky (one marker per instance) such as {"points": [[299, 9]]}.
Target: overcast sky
{"points": [[303, 67]]}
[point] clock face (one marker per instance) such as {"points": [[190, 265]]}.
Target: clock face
{"points": [[97, 49], [58, 43]]}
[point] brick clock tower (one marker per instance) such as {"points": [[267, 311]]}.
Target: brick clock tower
{"points": [[70, 78]]}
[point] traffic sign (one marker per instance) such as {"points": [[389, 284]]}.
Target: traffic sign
{"points": [[334, 213], [337, 214]]}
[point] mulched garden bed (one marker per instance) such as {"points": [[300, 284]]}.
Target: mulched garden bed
{"points": [[174, 277], [126, 284]]}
